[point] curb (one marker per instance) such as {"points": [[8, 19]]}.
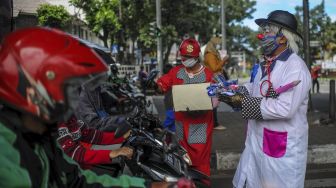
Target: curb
{"points": [[317, 154]]}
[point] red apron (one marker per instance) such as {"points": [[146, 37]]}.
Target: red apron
{"points": [[194, 130]]}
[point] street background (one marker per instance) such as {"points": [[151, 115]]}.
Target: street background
{"points": [[148, 33]]}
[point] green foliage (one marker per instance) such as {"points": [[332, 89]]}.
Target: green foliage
{"points": [[147, 40], [101, 16], [106, 19], [322, 29], [130, 19], [53, 16], [180, 17]]}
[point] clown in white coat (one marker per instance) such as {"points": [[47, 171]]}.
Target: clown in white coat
{"points": [[275, 151]]}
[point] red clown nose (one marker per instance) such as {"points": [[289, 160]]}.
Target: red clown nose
{"points": [[260, 36]]}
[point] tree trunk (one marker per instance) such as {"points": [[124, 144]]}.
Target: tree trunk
{"points": [[105, 37], [111, 42], [105, 42]]}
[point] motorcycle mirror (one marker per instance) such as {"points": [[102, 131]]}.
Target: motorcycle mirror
{"points": [[170, 141], [152, 75], [122, 130]]}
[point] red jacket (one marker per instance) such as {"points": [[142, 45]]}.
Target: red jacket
{"points": [[76, 139], [166, 81], [315, 72]]}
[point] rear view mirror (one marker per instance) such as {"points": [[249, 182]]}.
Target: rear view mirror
{"points": [[170, 141], [152, 75]]}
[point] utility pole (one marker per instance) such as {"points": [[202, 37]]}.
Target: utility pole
{"points": [[244, 63], [223, 21], [306, 43], [159, 39]]}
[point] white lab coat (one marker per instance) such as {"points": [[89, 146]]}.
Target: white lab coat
{"points": [[275, 151]]}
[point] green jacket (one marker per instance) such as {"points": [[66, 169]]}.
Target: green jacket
{"points": [[30, 160]]}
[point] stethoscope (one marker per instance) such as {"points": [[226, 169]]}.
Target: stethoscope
{"points": [[267, 82], [269, 61]]}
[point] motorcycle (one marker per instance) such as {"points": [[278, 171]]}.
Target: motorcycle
{"points": [[121, 96], [115, 100], [157, 155]]}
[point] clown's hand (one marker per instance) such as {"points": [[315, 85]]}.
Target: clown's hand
{"points": [[235, 100]]}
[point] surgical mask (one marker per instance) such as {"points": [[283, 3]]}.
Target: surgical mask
{"points": [[269, 43], [218, 47], [190, 62]]}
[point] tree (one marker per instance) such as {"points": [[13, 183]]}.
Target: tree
{"points": [[53, 16], [179, 17], [101, 17], [135, 17], [203, 22], [119, 21], [322, 29]]}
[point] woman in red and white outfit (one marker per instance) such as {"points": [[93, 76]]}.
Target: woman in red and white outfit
{"points": [[193, 129]]}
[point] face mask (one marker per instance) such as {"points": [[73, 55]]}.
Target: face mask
{"points": [[269, 43], [189, 62], [218, 47]]}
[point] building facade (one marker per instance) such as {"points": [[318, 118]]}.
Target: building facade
{"points": [[25, 15]]}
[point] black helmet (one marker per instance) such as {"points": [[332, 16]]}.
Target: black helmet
{"points": [[282, 19]]}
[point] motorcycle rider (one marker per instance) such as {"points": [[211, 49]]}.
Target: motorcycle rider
{"points": [[76, 139], [92, 110], [41, 71], [142, 76], [194, 132]]}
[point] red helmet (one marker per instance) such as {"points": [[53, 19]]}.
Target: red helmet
{"points": [[41, 68], [190, 48]]}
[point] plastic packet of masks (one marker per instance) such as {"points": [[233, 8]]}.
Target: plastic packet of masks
{"points": [[223, 87]]}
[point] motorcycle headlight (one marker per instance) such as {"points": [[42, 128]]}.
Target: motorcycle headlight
{"points": [[187, 159], [166, 178]]}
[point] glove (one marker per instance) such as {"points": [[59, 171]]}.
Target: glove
{"points": [[243, 90], [120, 121], [271, 93], [235, 101]]}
